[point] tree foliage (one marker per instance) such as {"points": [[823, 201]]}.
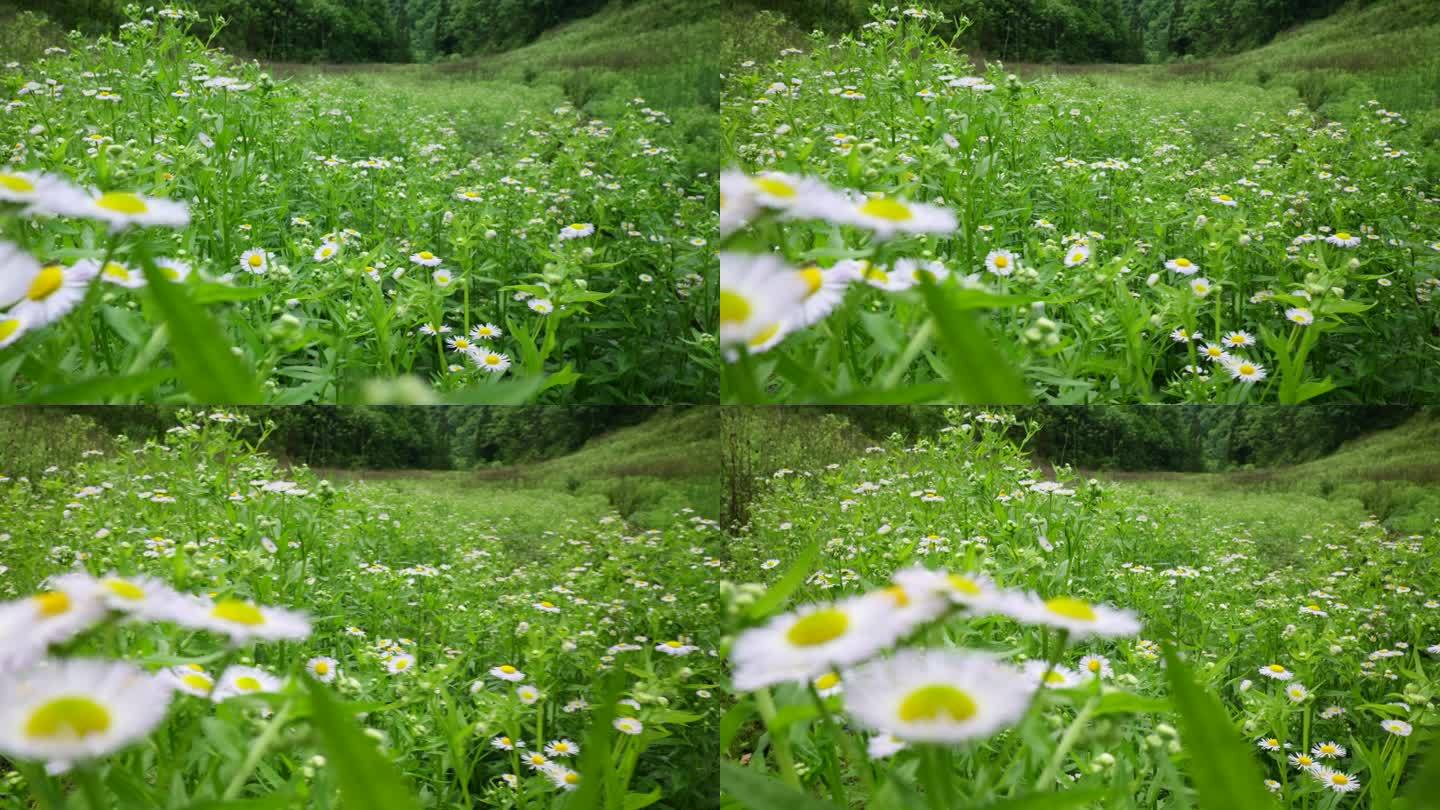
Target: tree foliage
{"points": [[345, 30], [1087, 30], [380, 437]]}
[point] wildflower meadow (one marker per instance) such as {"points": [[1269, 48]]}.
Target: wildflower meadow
{"points": [[944, 623], [175, 222], [900, 225], [186, 623]]}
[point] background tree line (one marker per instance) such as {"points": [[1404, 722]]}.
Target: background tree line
{"points": [[377, 437], [1085, 30], [341, 30]]}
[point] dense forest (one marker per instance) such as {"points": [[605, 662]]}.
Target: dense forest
{"points": [[1087, 30], [342, 30], [435, 438]]}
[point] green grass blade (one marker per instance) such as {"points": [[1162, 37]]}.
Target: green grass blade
{"points": [[210, 371], [760, 792], [1220, 765], [368, 781]]}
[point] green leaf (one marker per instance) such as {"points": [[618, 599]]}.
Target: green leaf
{"points": [[1130, 703], [1312, 389], [979, 372], [1046, 801], [735, 717], [368, 781], [99, 389], [1220, 765], [760, 792], [635, 801], [210, 371], [789, 583]]}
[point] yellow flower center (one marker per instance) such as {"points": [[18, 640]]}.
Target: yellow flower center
{"points": [[577, 226], [16, 183], [322, 668], [1304, 760], [1053, 677], [898, 594], [546, 605], [1071, 608], [674, 645], [238, 612], [1275, 668], [199, 683], [1343, 236], [827, 681], [8, 328], [935, 703], [765, 334], [814, 278], [775, 188], [122, 202], [125, 590], [1093, 666], [68, 718], [1001, 261], [1339, 779], [963, 584], [426, 255], [116, 270], [403, 663], [1273, 743], [46, 282], [247, 683], [256, 260], [818, 628], [1246, 368], [734, 307], [1225, 198], [1183, 262], [492, 359], [572, 778], [508, 670], [887, 209], [52, 604]]}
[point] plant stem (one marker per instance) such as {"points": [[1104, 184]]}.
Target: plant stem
{"points": [[1071, 736], [257, 750], [778, 740]]}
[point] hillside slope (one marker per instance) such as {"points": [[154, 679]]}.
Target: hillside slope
{"points": [[1387, 50]]}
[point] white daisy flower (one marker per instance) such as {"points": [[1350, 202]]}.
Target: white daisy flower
{"points": [[1077, 255], [1183, 266], [562, 777], [326, 251], [255, 261], [1058, 676], [241, 620], [425, 258], [1201, 287], [42, 295], [1096, 666], [542, 306], [758, 296], [1081, 618], [814, 640], [1277, 672], [323, 669], [490, 360], [1245, 371], [191, 679], [528, 695], [576, 230], [238, 681], [562, 748], [885, 217], [79, 709], [31, 624], [1343, 239], [121, 209], [935, 695], [1399, 728], [628, 725], [1300, 316], [400, 664], [114, 272], [506, 672], [1001, 262]]}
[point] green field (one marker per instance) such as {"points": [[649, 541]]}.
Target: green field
{"points": [[492, 230], [416, 587], [1248, 228], [1319, 575]]}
